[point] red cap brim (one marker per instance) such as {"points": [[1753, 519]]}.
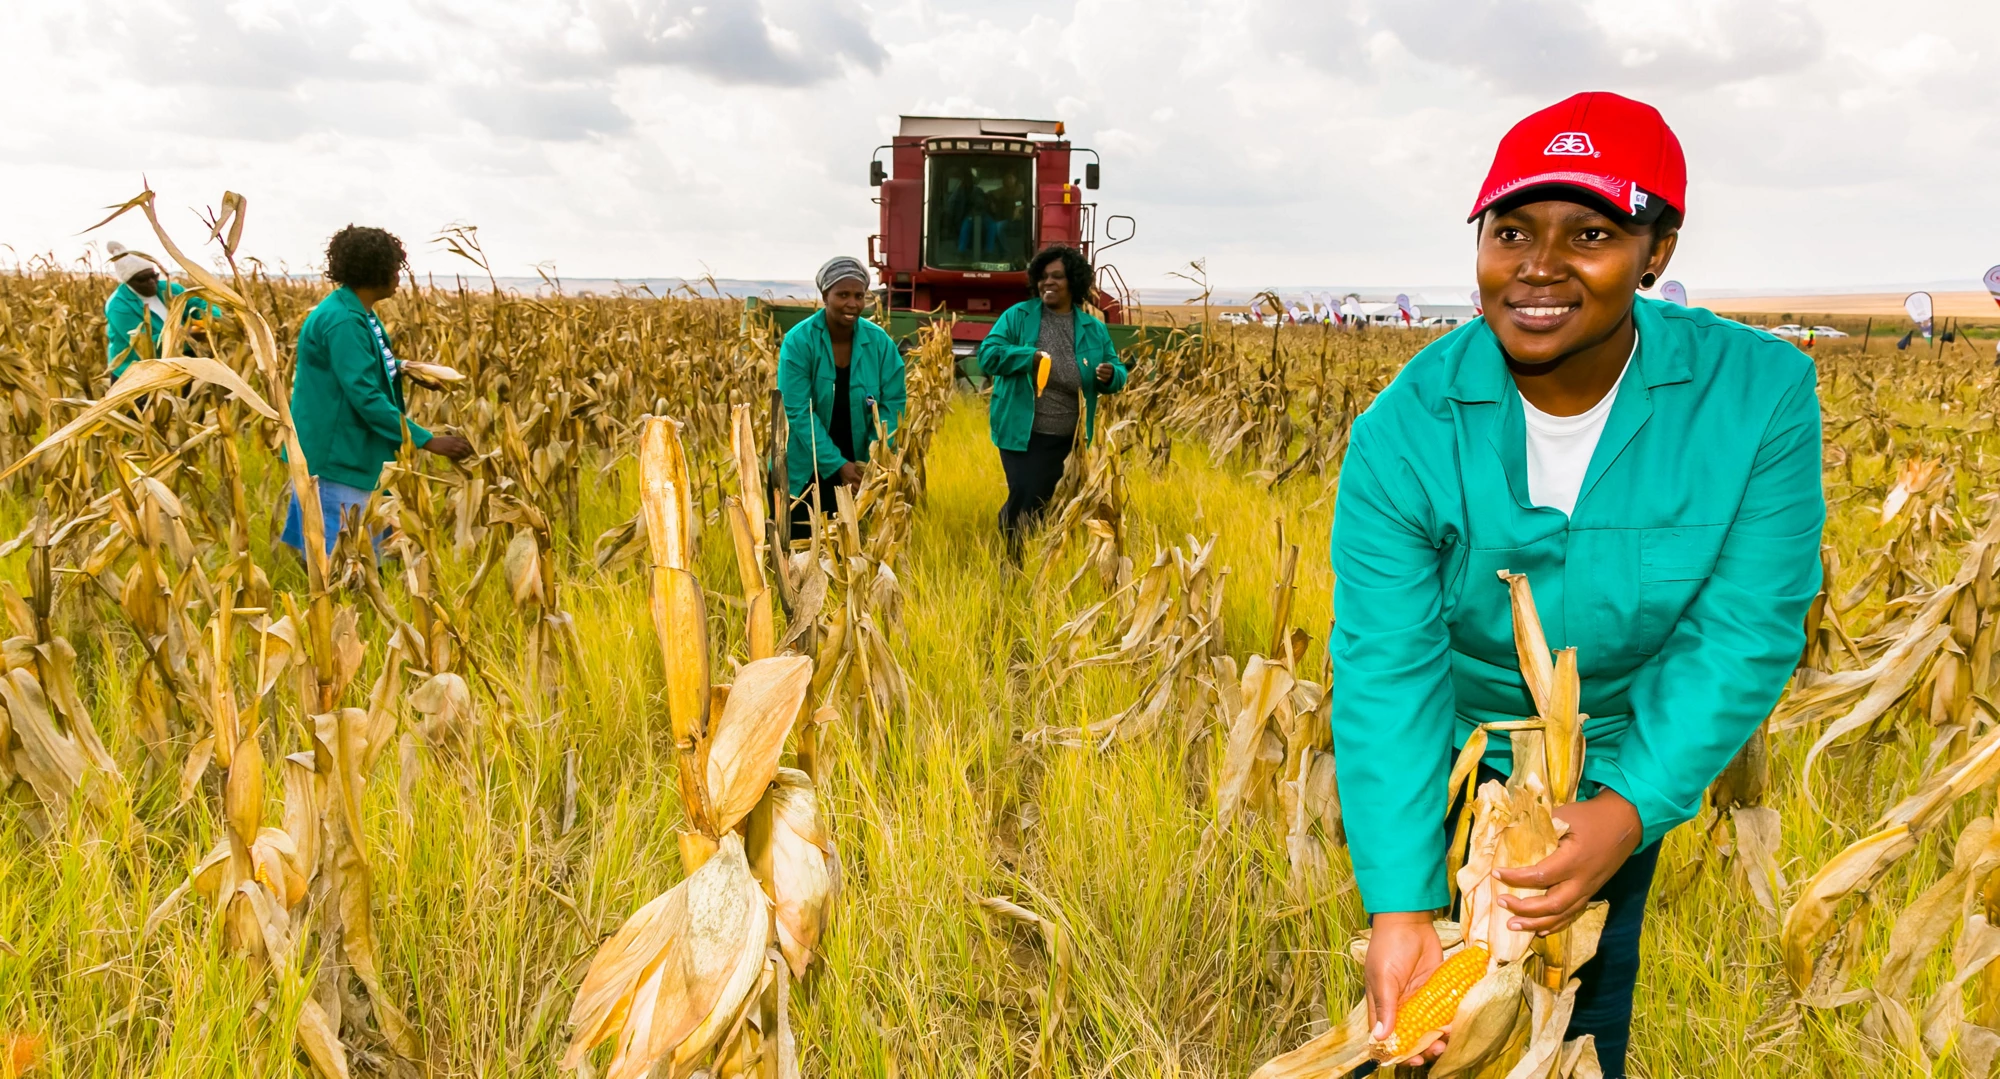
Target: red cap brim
{"points": [[1609, 188]]}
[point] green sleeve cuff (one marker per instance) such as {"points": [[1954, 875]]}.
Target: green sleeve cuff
{"points": [[1396, 891], [418, 436], [1658, 813]]}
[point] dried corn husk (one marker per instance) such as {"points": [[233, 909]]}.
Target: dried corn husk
{"points": [[794, 856], [677, 977], [750, 734]]}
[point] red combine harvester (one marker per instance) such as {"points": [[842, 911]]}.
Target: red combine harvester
{"points": [[966, 202]]}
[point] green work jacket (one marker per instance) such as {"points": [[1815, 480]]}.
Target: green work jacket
{"points": [[126, 313], [1695, 544], [805, 381], [1007, 355], [347, 398]]}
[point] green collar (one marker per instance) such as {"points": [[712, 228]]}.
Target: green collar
{"points": [[1481, 373], [345, 297]]}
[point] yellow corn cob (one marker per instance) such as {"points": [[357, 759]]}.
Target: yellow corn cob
{"points": [[1041, 372], [1430, 1008]]}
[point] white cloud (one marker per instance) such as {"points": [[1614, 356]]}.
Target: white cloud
{"points": [[1289, 141]]}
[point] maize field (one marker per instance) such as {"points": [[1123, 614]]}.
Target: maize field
{"points": [[591, 770]]}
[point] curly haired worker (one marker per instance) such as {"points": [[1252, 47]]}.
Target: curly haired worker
{"points": [[347, 398], [1035, 425], [1653, 469]]}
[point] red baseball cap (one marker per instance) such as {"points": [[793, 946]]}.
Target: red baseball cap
{"points": [[1613, 148]]}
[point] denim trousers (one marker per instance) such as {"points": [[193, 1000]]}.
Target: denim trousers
{"points": [[334, 500]]}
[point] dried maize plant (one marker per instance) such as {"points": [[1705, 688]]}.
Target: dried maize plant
{"points": [[163, 590], [48, 741], [594, 363], [1166, 628], [1503, 996], [1092, 496], [1933, 659], [701, 974], [1822, 956], [847, 599], [1744, 829], [49, 349], [530, 567], [1279, 400], [23, 398], [1916, 517], [1277, 760], [1827, 641], [320, 643], [929, 384], [1933, 651], [750, 535]]}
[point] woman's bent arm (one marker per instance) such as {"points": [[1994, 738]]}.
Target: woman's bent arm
{"points": [[1393, 703], [1731, 653]]}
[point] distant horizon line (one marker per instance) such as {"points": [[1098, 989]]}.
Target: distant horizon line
{"points": [[801, 288]]}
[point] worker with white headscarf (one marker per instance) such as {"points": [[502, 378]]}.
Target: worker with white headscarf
{"points": [[142, 301], [840, 376]]}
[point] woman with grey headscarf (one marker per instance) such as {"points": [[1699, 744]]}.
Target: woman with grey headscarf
{"points": [[841, 377]]}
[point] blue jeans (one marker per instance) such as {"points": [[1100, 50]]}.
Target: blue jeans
{"points": [[334, 500], [1604, 999]]}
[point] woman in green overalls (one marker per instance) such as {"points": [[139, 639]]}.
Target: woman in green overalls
{"points": [[1653, 469], [839, 375], [1042, 354]]}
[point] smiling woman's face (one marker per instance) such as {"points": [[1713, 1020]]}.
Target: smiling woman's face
{"points": [[1557, 277], [1054, 286]]}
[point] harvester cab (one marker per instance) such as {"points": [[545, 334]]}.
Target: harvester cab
{"points": [[966, 202]]}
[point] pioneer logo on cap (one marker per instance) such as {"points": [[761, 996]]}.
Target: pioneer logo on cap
{"points": [[1571, 144]]}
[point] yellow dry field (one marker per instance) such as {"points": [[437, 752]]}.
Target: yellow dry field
{"points": [[1974, 304], [378, 817]]}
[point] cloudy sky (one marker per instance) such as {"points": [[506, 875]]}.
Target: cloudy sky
{"points": [[1831, 143]]}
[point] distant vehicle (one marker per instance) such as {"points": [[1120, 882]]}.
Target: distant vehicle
{"points": [[1234, 318], [1789, 329], [966, 202], [1828, 331]]}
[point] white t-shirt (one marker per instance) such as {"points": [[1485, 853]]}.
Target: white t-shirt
{"points": [[1559, 447]]}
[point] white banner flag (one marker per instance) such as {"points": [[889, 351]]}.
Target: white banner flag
{"points": [[1478, 306], [1674, 292], [1993, 283], [1918, 304]]}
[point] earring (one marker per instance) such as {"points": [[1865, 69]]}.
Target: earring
{"points": [[1646, 279]]}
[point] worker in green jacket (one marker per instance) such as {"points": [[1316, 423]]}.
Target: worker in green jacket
{"points": [[1653, 469], [137, 310], [347, 398], [840, 375], [1043, 354]]}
